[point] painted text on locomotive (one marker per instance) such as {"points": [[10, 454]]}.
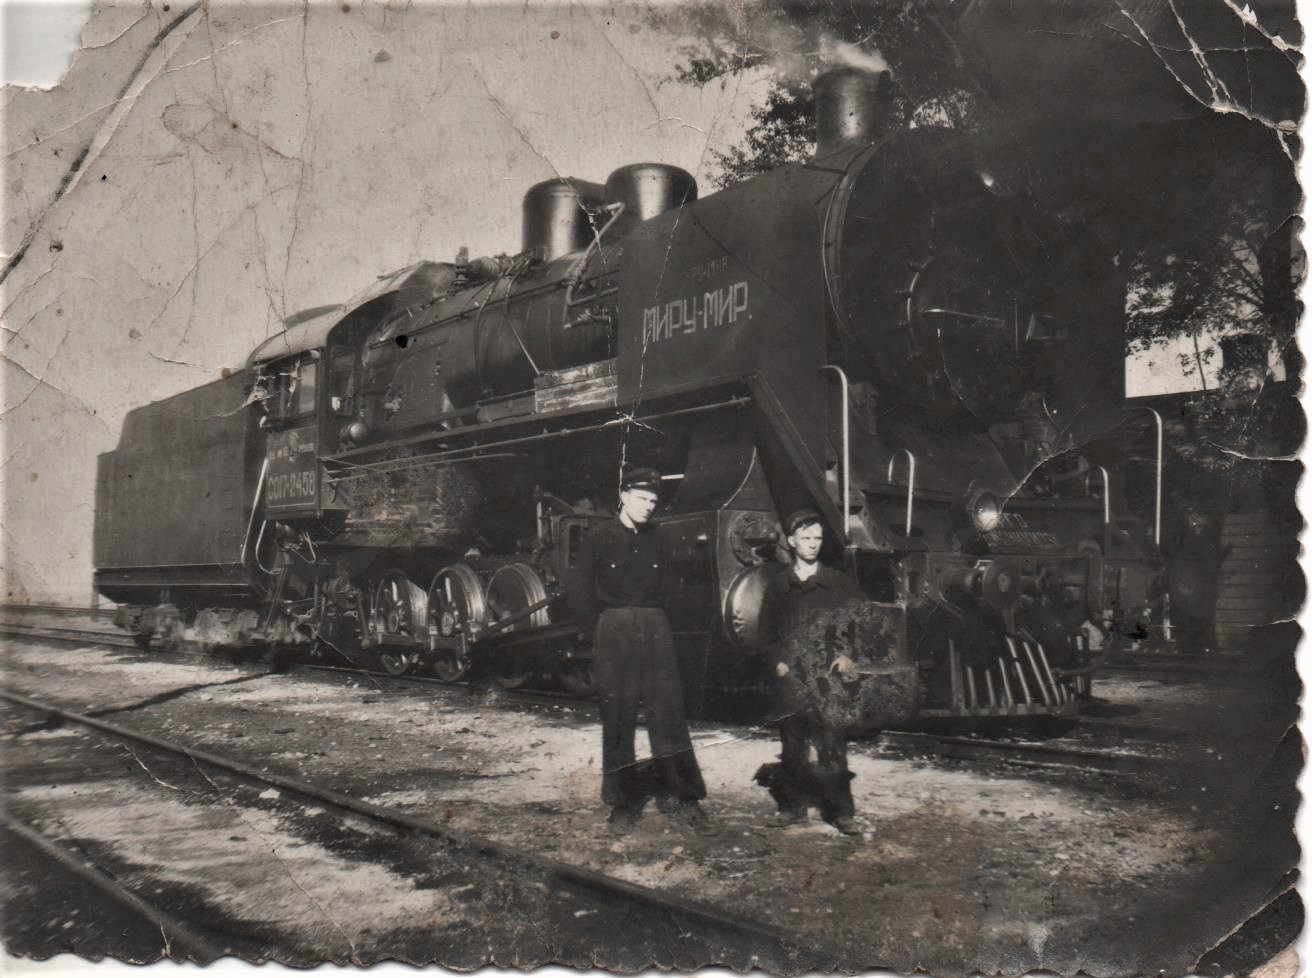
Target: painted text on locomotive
{"points": [[723, 307]]}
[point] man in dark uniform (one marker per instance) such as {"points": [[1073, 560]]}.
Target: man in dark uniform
{"points": [[793, 597], [624, 577]]}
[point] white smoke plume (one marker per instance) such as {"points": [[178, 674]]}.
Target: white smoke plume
{"points": [[834, 53]]}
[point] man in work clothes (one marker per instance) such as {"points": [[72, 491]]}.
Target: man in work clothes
{"points": [[624, 577], [793, 596]]}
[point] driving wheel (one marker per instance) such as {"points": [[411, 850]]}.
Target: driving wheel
{"points": [[400, 608], [457, 605], [514, 589]]}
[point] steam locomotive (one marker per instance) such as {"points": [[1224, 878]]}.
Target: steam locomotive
{"points": [[884, 334]]}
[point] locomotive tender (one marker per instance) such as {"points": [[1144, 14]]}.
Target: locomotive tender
{"points": [[884, 334]]}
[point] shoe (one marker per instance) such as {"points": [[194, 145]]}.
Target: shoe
{"points": [[846, 824], [786, 817], [690, 813], [623, 819]]}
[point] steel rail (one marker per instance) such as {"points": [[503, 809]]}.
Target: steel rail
{"points": [[776, 940], [57, 609], [174, 932], [34, 627], [1024, 754], [7, 630]]}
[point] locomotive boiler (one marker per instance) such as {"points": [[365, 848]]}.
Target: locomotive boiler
{"points": [[884, 333]]}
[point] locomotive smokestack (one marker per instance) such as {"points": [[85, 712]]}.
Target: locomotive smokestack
{"points": [[853, 105]]}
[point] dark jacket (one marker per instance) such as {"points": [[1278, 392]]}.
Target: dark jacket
{"points": [[621, 568], [788, 601]]}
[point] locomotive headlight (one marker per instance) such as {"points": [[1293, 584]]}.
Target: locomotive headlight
{"points": [[985, 511]]}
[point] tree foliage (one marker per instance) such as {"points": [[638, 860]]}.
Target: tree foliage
{"points": [[789, 42], [1192, 192]]}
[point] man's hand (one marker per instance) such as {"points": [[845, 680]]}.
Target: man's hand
{"points": [[781, 670], [844, 666]]}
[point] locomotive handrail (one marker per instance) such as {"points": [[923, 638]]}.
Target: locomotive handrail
{"points": [[264, 525], [255, 508], [911, 481], [472, 452], [847, 451], [515, 271], [1157, 496], [575, 274], [1106, 494]]}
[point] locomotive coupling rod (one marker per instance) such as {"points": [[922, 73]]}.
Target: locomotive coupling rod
{"points": [[517, 616], [847, 451]]}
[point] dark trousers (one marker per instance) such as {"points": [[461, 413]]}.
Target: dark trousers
{"points": [[635, 666], [796, 782]]}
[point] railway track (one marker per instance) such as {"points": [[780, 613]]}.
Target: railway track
{"points": [[718, 927], [67, 636], [8, 610], [1021, 753], [918, 743], [180, 939], [116, 639]]}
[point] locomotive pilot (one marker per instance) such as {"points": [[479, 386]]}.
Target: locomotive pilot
{"points": [[812, 769], [624, 579]]}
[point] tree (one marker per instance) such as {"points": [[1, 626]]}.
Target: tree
{"points": [[789, 42], [1162, 126]]}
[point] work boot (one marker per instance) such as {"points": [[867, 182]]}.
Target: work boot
{"points": [[846, 824], [786, 817], [690, 813], [623, 819]]}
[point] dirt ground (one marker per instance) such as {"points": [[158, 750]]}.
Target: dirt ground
{"points": [[961, 866]]}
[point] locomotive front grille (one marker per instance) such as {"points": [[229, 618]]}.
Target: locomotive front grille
{"points": [[1023, 683]]}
